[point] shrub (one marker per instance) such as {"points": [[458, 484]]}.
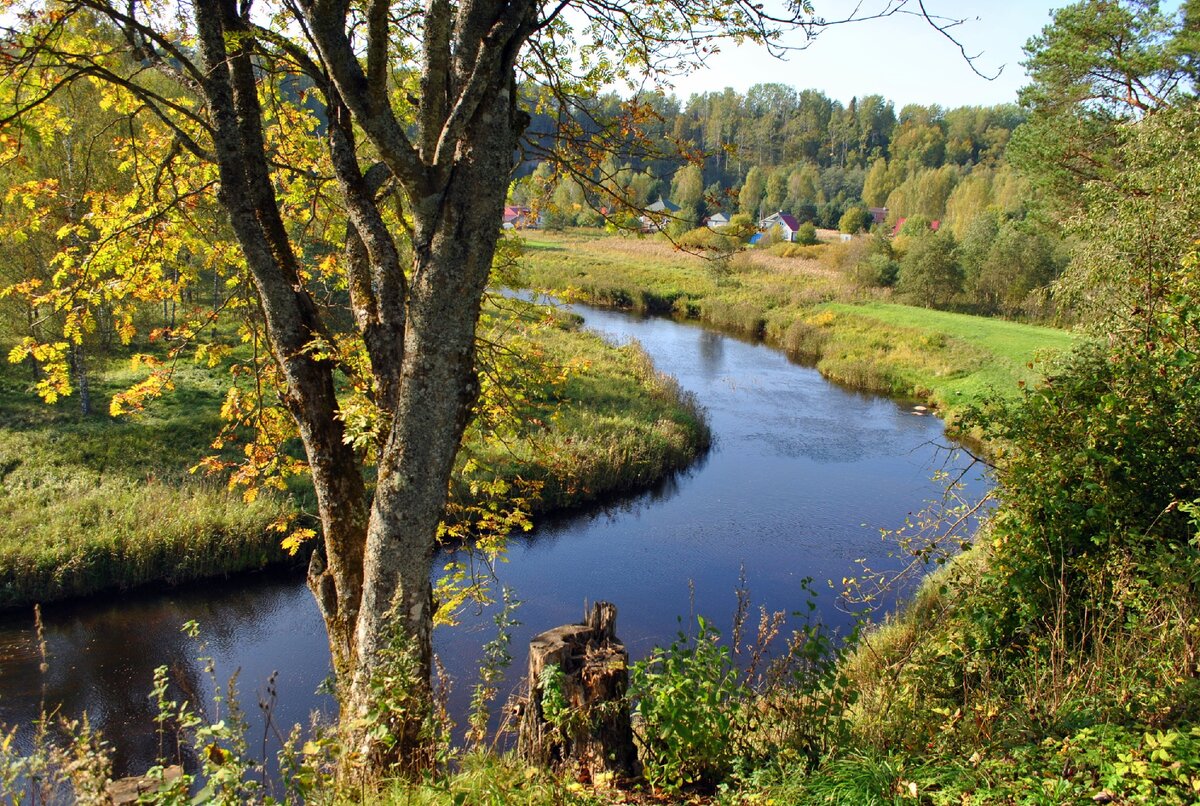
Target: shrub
{"points": [[929, 272], [856, 219], [796, 250], [876, 270], [807, 234], [706, 239], [690, 703]]}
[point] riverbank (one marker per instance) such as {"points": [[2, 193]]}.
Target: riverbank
{"points": [[808, 306], [781, 498], [95, 503]]}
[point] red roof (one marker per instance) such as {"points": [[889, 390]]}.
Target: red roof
{"points": [[934, 225], [790, 221]]}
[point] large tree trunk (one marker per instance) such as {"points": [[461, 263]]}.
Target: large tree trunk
{"points": [[372, 582], [454, 243], [292, 320]]}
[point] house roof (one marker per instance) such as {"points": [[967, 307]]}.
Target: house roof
{"points": [[717, 217], [781, 217], [662, 206], [934, 225]]}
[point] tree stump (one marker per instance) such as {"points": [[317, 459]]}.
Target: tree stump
{"points": [[576, 712], [126, 791]]}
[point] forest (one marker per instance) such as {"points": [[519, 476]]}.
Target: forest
{"points": [[779, 149], [259, 245]]}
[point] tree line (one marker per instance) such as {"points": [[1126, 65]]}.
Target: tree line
{"points": [[774, 148]]}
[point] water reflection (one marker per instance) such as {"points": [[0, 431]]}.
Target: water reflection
{"points": [[711, 353], [101, 657], [801, 477]]}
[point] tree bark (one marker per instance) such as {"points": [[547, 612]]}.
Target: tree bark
{"points": [[455, 236], [80, 370], [292, 321], [594, 732]]}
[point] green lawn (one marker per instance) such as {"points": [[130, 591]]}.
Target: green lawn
{"points": [[1000, 351]]}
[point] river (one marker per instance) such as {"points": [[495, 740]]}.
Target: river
{"points": [[801, 478]]}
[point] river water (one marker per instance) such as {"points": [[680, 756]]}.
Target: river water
{"points": [[801, 478]]}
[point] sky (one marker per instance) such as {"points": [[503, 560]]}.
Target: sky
{"points": [[901, 58]]}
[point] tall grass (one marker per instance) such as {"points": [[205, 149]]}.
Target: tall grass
{"points": [[614, 424], [89, 504]]}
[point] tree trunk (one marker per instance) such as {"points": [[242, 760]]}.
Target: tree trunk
{"points": [[79, 369], [577, 712], [372, 582], [31, 319], [455, 238], [292, 320]]}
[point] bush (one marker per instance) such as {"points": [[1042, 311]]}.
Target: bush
{"points": [[807, 234], [929, 272], [795, 250], [916, 226], [691, 704], [854, 220], [876, 270], [705, 239], [1102, 468]]}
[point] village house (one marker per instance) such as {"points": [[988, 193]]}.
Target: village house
{"points": [[716, 221], [780, 225], [658, 215], [518, 217]]}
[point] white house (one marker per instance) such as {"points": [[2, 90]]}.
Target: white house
{"points": [[658, 214], [782, 224]]}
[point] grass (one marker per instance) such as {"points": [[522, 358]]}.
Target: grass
{"points": [[1006, 348], [610, 423], [93, 503], [489, 780], [807, 306]]}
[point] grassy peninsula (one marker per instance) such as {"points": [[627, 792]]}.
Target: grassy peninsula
{"points": [[96, 503]]}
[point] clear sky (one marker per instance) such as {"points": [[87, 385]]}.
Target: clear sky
{"points": [[901, 58]]}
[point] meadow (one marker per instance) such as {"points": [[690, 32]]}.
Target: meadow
{"points": [[807, 305], [97, 503]]}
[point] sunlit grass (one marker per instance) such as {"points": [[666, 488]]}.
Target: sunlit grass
{"points": [[1008, 348], [807, 306], [491, 780], [93, 503]]}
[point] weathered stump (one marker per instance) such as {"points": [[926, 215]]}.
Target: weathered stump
{"points": [[125, 791], [576, 712]]}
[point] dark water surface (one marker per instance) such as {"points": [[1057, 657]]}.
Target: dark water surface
{"points": [[801, 478]]}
